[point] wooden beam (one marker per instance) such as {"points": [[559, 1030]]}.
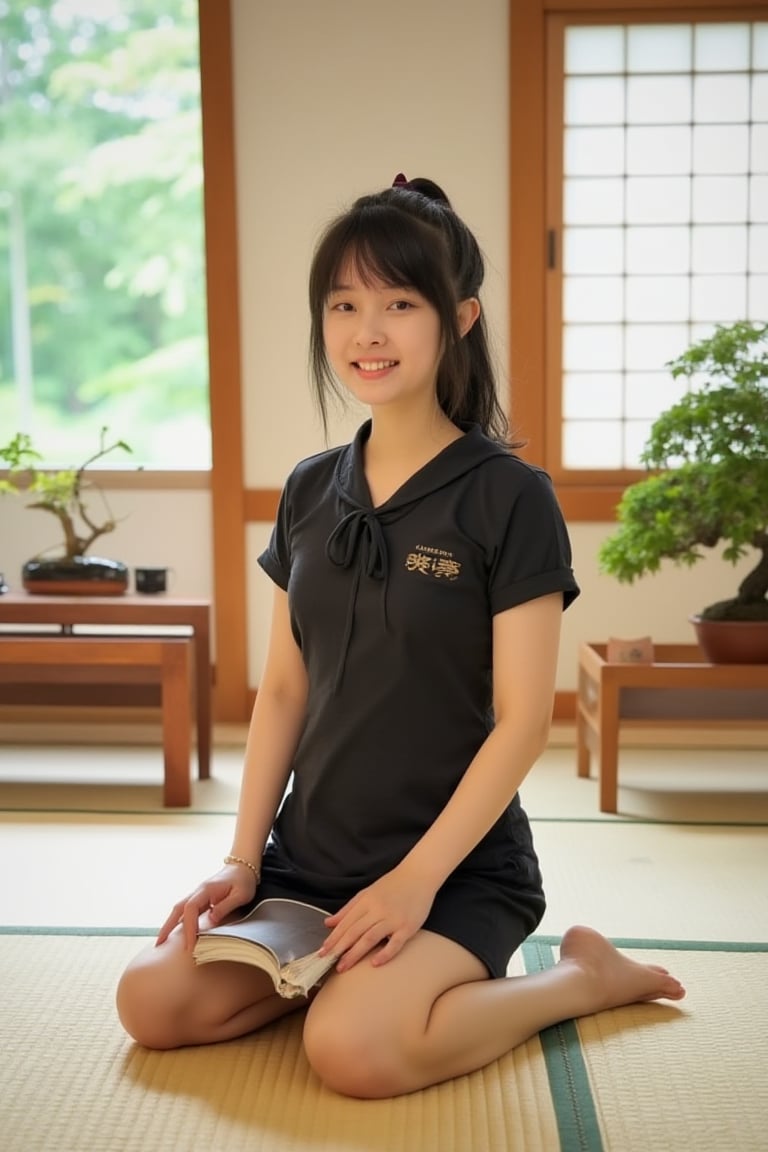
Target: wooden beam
{"points": [[221, 251]]}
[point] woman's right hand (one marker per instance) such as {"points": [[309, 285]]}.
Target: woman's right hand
{"points": [[231, 887]]}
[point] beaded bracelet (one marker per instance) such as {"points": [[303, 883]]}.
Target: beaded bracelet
{"points": [[246, 863]]}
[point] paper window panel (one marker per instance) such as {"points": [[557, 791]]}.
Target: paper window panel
{"points": [[760, 47], [757, 294], [657, 200], [758, 199], [721, 47], [719, 299], [658, 151], [760, 97], [648, 347], [646, 393], [651, 298], [722, 98], [719, 248], [593, 201], [593, 347], [594, 51], [594, 100], [665, 216], [589, 251], [720, 148], [758, 146], [659, 48], [594, 151], [593, 444], [659, 99], [592, 394], [657, 250], [636, 434], [758, 248], [593, 298], [719, 199]]}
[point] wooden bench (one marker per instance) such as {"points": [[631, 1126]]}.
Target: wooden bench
{"points": [[680, 688], [125, 660], [152, 616]]}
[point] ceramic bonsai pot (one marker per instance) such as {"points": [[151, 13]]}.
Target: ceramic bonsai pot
{"points": [[732, 641], [76, 576]]}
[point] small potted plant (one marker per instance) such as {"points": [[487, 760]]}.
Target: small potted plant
{"points": [[713, 448], [63, 494]]}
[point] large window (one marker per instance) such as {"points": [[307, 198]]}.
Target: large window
{"points": [[663, 198], [638, 218], [102, 279]]}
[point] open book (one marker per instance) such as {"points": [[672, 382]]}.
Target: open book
{"points": [[280, 936]]}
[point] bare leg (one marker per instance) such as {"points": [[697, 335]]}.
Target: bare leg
{"points": [[165, 1000], [430, 1014]]}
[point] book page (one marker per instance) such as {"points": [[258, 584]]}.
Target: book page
{"points": [[289, 929]]}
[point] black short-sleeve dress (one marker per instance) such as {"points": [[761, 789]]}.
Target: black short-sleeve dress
{"points": [[392, 609]]}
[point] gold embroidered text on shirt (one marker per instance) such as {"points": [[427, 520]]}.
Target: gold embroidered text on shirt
{"points": [[441, 567]]}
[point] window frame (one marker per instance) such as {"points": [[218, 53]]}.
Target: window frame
{"points": [[215, 67], [535, 207], [224, 478]]}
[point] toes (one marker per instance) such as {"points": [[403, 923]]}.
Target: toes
{"points": [[670, 989]]}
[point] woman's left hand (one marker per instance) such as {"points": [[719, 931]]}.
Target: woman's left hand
{"points": [[388, 912]]}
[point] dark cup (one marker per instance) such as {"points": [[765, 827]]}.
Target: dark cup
{"points": [[151, 580]]}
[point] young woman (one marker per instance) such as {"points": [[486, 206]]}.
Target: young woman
{"points": [[419, 574]]}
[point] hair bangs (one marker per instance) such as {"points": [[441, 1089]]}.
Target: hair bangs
{"points": [[380, 245]]}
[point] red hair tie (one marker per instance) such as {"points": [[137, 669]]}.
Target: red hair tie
{"points": [[400, 181]]}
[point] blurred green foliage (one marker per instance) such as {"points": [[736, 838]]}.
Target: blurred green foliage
{"points": [[713, 448], [101, 227]]}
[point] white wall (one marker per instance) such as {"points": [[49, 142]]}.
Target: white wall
{"points": [[332, 99], [154, 529]]}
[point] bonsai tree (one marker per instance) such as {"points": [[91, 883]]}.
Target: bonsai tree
{"points": [[713, 447], [60, 493]]}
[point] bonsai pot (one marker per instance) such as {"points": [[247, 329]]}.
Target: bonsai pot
{"points": [[732, 641], [75, 576]]}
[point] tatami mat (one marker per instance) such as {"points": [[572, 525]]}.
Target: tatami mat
{"points": [[108, 779], [72, 1082], [691, 1079], [84, 841], [105, 871], [648, 1078], [659, 881], [625, 879], [667, 784]]}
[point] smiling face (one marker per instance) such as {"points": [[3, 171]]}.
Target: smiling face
{"points": [[423, 269], [383, 342]]}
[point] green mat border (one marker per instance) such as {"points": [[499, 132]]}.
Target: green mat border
{"points": [[572, 1100], [569, 1087], [637, 942]]}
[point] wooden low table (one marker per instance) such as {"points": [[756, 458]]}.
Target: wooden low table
{"points": [[57, 678], [118, 660], [680, 688]]}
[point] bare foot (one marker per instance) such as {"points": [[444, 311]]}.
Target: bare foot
{"points": [[614, 978]]}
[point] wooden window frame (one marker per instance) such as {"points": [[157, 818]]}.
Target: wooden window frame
{"points": [[225, 477], [232, 698], [535, 310]]}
